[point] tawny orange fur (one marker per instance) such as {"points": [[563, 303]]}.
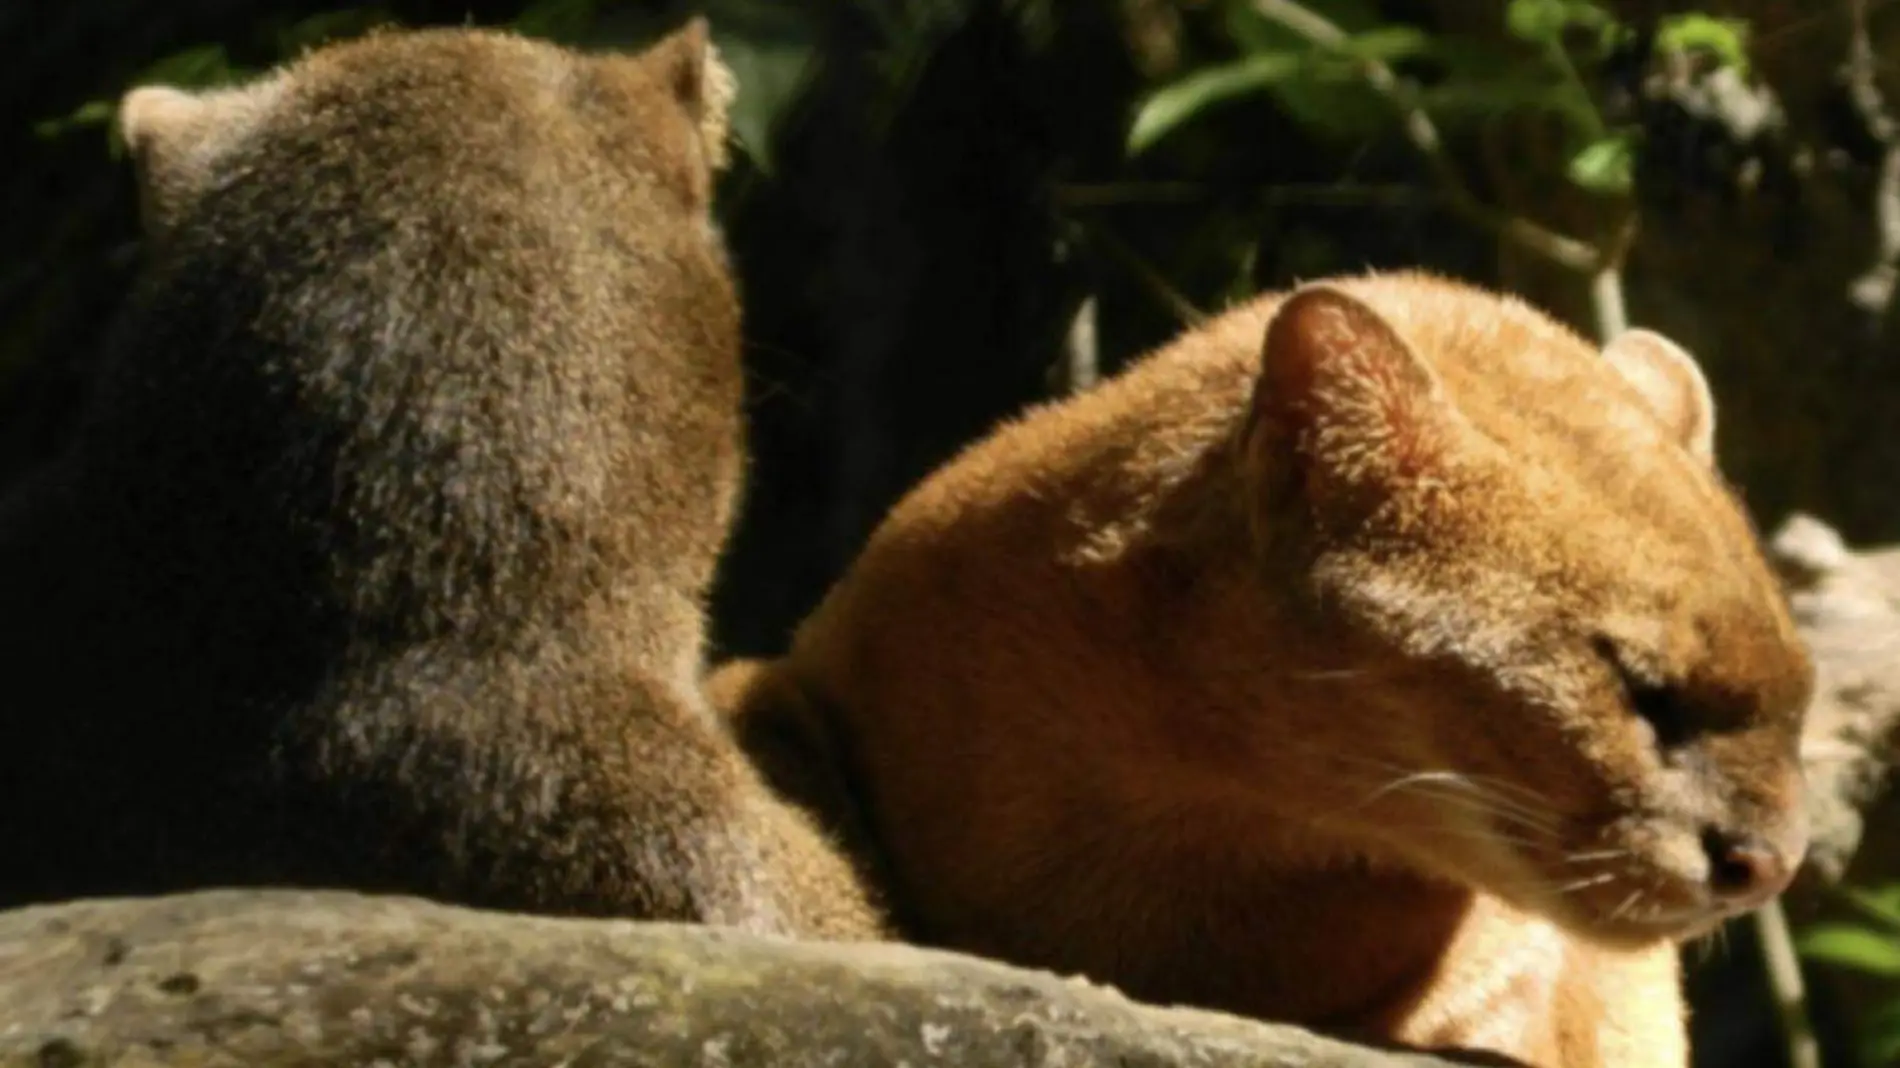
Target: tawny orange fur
{"points": [[381, 559], [1382, 658]]}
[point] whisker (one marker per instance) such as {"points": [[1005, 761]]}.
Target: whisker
{"points": [[1583, 884], [1472, 835], [1476, 783], [1457, 780], [1497, 782], [1425, 784], [1534, 887], [1598, 854], [1527, 793], [1629, 901], [1409, 780], [1483, 805]]}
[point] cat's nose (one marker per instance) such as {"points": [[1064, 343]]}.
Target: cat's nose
{"points": [[1746, 870]]}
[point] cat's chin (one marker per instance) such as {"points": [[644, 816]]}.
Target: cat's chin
{"points": [[1688, 925], [1605, 914], [1619, 933], [1640, 933], [1619, 926]]}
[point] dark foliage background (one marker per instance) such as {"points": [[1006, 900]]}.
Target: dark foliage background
{"points": [[933, 194]]}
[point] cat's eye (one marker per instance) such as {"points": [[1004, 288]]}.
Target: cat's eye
{"points": [[1661, 706]]}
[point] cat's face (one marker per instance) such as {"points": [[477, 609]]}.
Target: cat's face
{"points": [[1600, 687]]}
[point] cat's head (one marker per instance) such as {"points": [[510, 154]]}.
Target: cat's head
{"points": [[445, 106], [1576, 665]]}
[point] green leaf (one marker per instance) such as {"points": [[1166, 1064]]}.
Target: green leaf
{"points": [[1854, 948], [1610, 36], [1882, 904], [1330, 94], [1389, 43], [194, 68], [1605, 166], [1541, 21], [1172, 105], [1545, 21], [1724, 38], [90, 113], [1255, 32], [1335, 105]]}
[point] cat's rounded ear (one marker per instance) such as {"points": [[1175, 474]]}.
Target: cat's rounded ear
{"points": [[160, 127], [172, 136], [1343, 406], [153, 118], [1671, 383], [689, 65]]}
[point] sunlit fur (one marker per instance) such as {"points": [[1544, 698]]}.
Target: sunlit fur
{"points": [[1273, 676]]}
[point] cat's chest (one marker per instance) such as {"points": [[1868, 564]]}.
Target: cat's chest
{"points": [[1496, 987]]}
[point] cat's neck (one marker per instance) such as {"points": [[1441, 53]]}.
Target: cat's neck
{"points": [[1226, 908]]}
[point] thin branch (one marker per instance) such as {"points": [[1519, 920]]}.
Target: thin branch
{"points": [[1784, 979], [1423, 134], [1081, 352], [1874, 289], [1606, 286], [1151, 279], [1606, 304]]}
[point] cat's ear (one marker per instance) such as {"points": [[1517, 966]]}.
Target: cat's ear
{"points": [[1667, 378], [1344, 410], [173, 135], [690, 67]]}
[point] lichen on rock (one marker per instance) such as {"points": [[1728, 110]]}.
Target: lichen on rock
{"points": [[280, 978]]}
